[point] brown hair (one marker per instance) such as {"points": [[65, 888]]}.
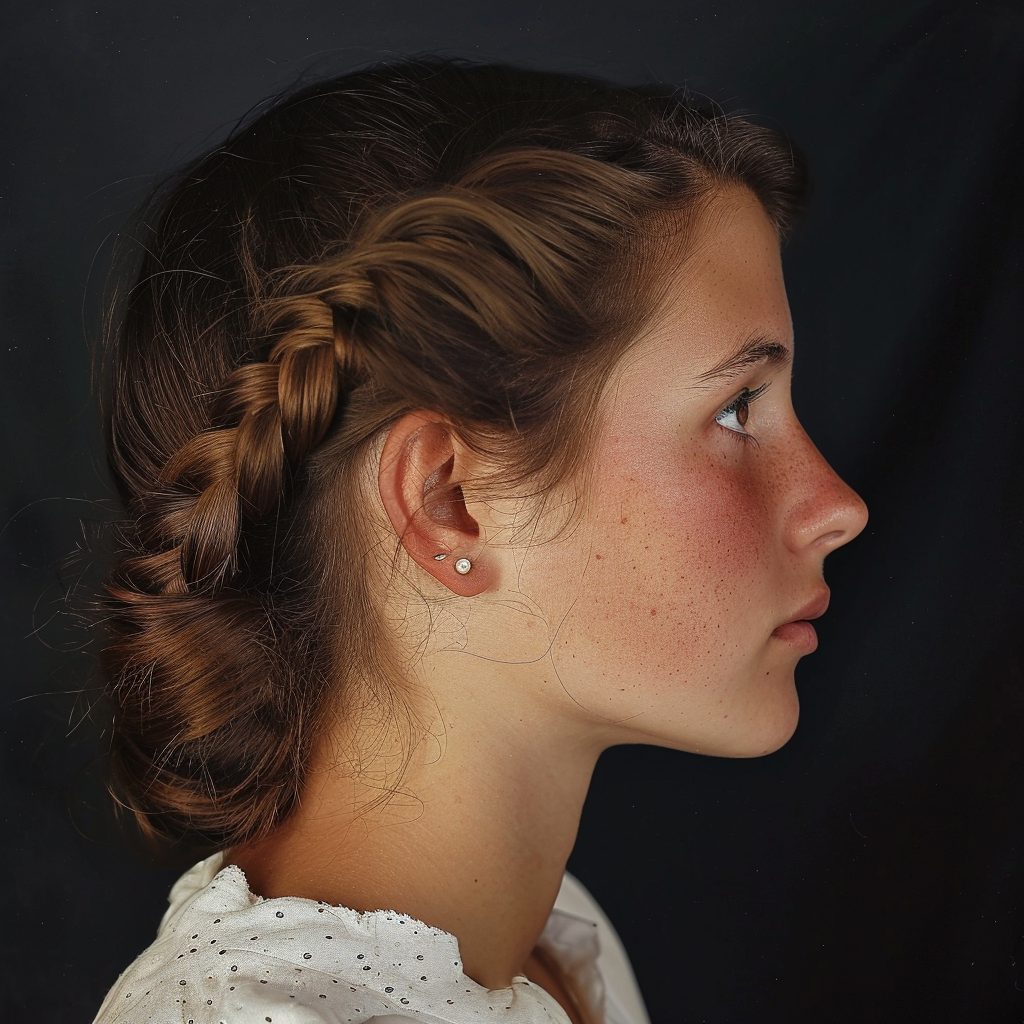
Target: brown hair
{"points": [[478, 241]]}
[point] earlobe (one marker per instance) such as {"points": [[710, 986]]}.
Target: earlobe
{"points": [[419, 487]]}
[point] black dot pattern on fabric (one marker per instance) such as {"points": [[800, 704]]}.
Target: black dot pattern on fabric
{"points": [[237, 957]]}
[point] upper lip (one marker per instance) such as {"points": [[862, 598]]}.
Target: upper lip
{"points": [[814, 608]]}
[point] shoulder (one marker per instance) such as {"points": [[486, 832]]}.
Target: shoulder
{"points": [[224, 956]]}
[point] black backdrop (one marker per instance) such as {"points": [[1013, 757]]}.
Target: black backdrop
{"points": [[872, 869]]}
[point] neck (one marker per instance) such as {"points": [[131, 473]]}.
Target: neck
{"points": [[474, 840]]}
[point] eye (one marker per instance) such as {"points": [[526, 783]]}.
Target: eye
{"points": [[734, 416]]}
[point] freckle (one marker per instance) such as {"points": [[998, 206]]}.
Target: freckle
{"points": [[624, 520], [654, 611]]}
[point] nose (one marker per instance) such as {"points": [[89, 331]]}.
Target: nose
{"points": [[825, 512]]}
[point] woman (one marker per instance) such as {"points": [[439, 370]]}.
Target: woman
{"points": [[451, 409]]}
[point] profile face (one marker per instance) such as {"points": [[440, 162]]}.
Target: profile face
{"points": [[708, 517]]}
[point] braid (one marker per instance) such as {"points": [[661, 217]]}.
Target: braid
{"points": [[189, 637], [272, 415]]}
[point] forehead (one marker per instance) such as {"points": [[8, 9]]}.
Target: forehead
{"points": [[727, 290]]}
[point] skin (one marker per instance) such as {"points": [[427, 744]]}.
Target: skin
{"points": [[655, 618]]}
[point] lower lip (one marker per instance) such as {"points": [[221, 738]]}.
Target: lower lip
{"points": [[800, 634]]}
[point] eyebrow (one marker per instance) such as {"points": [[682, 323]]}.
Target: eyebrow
{"points": [[759, 349]]}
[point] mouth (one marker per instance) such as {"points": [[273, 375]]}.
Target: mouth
{"points": [[798, 631]]}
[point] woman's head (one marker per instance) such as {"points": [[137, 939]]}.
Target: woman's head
{"points": [[709, 515], [474, 246]]}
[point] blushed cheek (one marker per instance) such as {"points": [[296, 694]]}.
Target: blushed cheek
{"points": [[677, 550]]}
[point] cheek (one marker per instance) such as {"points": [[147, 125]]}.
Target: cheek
{"points": [[677, 550]]}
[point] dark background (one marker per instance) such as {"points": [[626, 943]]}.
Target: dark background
{"points": [[871, 870]]}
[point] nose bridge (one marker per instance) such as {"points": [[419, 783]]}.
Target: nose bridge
{"points": [[823, 511]]}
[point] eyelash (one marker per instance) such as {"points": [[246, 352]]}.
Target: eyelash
{"points": [[740, 408]]}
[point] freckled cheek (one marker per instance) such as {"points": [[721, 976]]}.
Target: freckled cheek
{"points": [[726, 523], [676, 560]]}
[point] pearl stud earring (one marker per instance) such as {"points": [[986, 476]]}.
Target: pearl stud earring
{"points": [[462, 565]]}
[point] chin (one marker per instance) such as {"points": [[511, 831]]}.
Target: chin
{"points": [[751, 722], [750, 733], [767, 732]]}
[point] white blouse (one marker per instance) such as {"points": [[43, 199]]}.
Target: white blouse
{"points": [[225, 956]]}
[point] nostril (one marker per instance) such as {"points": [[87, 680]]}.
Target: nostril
{"points": [[832, 538]]}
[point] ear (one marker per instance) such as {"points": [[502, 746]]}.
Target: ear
{"points": [[420, 469]]}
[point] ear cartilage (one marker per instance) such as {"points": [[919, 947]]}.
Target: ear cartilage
{"points": [[441, 557], [462, 566]]}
